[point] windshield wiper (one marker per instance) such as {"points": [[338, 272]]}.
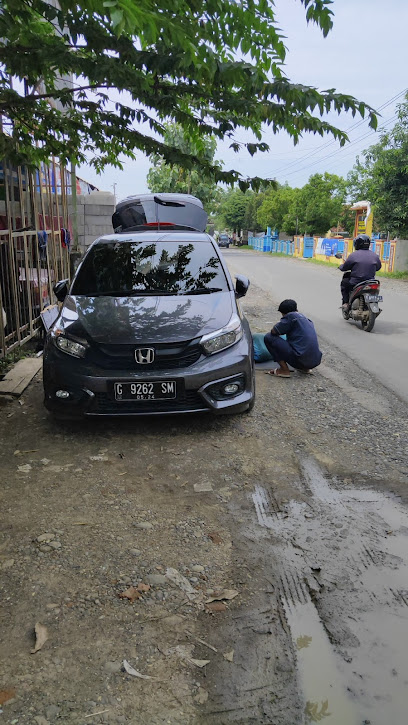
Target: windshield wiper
{"points": [[203, 290]]}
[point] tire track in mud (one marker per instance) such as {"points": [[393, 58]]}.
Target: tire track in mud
{"points": [[342, 580]]}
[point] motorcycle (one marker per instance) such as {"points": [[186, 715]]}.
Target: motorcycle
{"points": [[363, 302]]}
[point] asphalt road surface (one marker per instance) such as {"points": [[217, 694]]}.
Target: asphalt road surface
{"points": [[383, 352]]}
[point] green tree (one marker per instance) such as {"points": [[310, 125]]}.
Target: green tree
{"points": [[278, 209], [321, 203], [164, 177], [213, 67], [254, 202], [382, 177], [232, 209]]}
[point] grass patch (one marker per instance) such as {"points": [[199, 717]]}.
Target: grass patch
{"points": [[380, 273], [280, 254], [323, 262], [393, 275], [275, 254]]}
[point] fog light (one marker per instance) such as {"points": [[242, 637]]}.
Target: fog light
{"points": [[231, 388], [62, 394]]}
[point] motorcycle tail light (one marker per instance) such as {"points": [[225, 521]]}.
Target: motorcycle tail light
{"points": [[373, 286]]}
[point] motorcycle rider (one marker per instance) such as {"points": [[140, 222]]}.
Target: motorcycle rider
{"points": [[358, 267]]}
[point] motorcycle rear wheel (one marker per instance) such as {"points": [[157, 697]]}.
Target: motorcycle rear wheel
{"points": [[368, 324]]}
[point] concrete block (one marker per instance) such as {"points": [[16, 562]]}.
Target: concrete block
{"points": [[99, 197], [97, 229], [105, 210], [98, 219]]}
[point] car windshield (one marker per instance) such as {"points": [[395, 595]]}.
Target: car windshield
{"points": [[163, 267]]}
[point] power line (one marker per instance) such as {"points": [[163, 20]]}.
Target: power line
{"points": [[354, 153], [330, 143], [339, 151]]}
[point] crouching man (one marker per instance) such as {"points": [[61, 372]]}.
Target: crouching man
{"points": [[300, 350]]}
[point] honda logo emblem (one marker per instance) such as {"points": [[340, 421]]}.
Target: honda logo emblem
{"points": [[144, 355]]}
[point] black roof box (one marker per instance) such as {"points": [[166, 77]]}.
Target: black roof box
{"points": [[159, 211]]}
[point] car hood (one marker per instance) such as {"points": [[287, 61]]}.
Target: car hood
{"points": [[127, 320]]}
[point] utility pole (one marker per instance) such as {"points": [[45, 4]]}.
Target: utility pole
{"points": [[114, 185]]}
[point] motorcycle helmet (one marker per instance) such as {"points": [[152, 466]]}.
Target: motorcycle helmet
{"points": [[362, 241]]}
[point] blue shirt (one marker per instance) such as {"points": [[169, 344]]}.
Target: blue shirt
{"points": [[301, 336]]}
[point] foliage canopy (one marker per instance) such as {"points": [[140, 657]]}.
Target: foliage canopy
{"points": [[313, 209], [382, 177], [232, 209], [212, 66], [163, 177]]}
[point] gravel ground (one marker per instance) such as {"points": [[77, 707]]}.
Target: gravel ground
{"points": [[98, 515]]}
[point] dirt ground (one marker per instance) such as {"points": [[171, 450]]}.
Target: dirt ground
{"points": [[247, 569]]}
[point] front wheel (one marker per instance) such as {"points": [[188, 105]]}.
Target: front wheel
{"points": [[368, 323]]}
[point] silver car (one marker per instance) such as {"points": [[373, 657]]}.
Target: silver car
{"points": [[150, 325]]}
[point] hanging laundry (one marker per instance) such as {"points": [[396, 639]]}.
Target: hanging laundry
{"points": [[42, 243], [65, 238]]}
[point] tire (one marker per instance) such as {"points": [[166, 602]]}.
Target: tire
{"points": [[368, 326]]}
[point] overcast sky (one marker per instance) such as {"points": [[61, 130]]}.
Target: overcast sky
{"points": [[365, 55]]}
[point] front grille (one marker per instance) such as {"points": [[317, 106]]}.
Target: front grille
{"points": [[104, 403], [122, 357]]}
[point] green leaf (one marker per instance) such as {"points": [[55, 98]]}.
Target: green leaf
{"points": [[166, 62]]}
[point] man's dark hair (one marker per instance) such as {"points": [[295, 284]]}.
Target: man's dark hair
{"points": [[287, 306]]}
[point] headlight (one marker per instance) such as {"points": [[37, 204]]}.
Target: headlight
{"points": [[70, 346], [220, 340]]}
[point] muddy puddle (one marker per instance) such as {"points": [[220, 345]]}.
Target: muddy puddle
{"points": [[343, 573]]}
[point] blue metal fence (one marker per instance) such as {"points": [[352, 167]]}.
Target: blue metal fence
{"points": [[308, 246], [270, 242], [322, 247]]}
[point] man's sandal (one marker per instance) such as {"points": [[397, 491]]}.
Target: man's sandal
{"points": [[276, 374]]}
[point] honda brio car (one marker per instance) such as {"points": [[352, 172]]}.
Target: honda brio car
{"points": [[151, 324]]}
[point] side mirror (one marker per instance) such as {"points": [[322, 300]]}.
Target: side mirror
{"points": [[339, 255], [61, 289], [241, 285]]}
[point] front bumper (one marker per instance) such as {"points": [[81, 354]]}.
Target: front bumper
{"points": [[92, 391]]}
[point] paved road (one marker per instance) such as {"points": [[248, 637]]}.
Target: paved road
{"points": [[383, 352]]}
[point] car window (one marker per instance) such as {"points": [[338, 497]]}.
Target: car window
{"points": [[166, 267]]}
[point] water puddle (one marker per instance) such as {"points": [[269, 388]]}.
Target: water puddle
{"points": [[323, 686], [349, 548]]}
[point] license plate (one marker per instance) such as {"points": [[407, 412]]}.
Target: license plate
{"points": [[374, 298], [158, 390]]}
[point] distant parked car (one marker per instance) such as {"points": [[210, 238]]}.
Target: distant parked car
{"points": [[223, 240]]}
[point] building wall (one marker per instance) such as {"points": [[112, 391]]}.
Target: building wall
{"points": [[94, 217], [401, 256]]}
